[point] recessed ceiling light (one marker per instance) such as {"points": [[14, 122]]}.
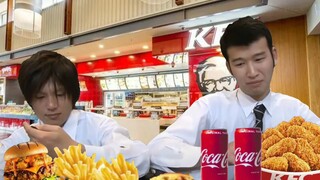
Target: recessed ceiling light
{"points": [[109, 60], [89, 63], [93, 56], [117, 52], [145, 47], [131, 57], [143, 60], [101, 46]]}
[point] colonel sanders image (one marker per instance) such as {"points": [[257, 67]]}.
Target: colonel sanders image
{"points": [[213, 76]]}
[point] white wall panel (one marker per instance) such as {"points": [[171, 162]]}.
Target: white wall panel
{"points": [[2, 38], [88, 15]]}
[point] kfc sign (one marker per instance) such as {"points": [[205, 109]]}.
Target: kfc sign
{"points": [[205, 37]]}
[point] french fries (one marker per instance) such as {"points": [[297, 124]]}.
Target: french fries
{"points": [[74, 165], [118, 170]]}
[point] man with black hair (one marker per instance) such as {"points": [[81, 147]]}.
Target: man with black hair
{"points": [[251, 57], [50, 85]]}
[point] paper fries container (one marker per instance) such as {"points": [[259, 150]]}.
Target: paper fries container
{"points": [[268, 174]]}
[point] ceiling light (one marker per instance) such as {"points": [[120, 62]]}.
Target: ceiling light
{"points": [[131, 56], [93, 56], [109, 60], [89, 63], [145, 47], [117, 52], [143, 60], [27, 18], [101, 46]]}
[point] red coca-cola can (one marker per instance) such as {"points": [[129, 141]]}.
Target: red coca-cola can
{"points": [[247, 147], [214, 154]]}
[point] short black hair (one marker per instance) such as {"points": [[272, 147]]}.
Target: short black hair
{"points": [[45, 66], [243, 32]]}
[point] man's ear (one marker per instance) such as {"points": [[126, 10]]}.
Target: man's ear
{"points": [[275, 56], [228, 66]]}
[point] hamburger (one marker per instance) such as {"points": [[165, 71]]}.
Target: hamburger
{"points": [[27, 160], [173, 176]]}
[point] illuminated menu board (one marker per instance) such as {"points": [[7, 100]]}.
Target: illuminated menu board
{"points": [[169, 58], [122, 83], [113, 84], [185, 58], [178, 58], [103, 84], [152, 82], [178, 79], [133, 83], [186, 79], [169, 80], [161, 81], [144, 82]]}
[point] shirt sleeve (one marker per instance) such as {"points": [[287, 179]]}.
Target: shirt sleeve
{"points": [[304, 111], [179, 145], [115, 139]]}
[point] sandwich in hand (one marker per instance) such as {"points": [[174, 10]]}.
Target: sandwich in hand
{"points": [[27, 160]]}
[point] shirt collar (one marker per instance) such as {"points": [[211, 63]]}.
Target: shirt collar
{"points": [[247, 103]]}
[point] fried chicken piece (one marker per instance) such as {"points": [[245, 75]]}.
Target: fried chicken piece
{"points": [[282, 128], [296, 120], [317, 167], [271, 140], [271, 131], [306, 152], [296, 164], [281, 147], [312, 127], [299, 132], [263, 154], [315, 144], [275, 163]]}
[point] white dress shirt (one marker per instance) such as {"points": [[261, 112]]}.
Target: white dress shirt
{"points": [[99, 134], [179, 145]]}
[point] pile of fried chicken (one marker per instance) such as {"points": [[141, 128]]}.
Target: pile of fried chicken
{"points": [[292, 146]]}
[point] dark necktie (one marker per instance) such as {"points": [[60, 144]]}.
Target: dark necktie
{"points": [[259, 112]]}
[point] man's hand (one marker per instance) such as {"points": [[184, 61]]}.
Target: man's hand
{"points": [[231, 153], [49, 135]]}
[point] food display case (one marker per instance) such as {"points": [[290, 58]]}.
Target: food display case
{"points": [[12, 117]]}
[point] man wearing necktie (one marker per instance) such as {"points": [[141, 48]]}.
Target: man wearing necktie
{"points": [[251, 58], [259, 112]]}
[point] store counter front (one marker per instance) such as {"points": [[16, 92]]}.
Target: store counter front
{"points": [[143, 129]]}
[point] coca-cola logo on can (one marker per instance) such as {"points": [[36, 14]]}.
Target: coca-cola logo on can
{"points": [[247, 158], [214, 160]]}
